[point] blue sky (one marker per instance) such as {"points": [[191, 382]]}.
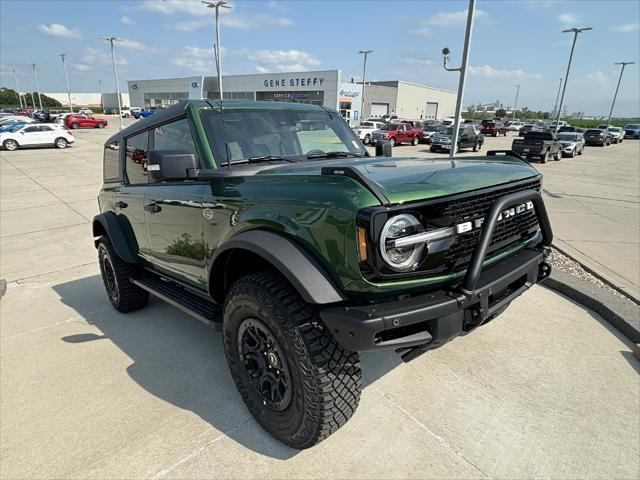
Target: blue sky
{"points": [[514, 42]]}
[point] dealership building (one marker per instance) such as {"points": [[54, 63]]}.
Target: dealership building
{"points": [[326, 87]]}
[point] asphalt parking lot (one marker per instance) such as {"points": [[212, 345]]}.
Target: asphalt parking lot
{"points": [[546, 390]]}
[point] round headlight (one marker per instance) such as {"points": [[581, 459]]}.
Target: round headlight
{"points": [[406, 257]]}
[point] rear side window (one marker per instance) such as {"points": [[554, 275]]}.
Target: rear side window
{"points": [[137, 149], [111, 163], [174, 136], [31, 129]]}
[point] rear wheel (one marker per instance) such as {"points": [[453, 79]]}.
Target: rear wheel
{"points": [[476, 146], [367, 139], [557, 155], [116, 276], [10, 145], [100, 125], [544, 157], [75, 125], [60, 142], [292, 374]]}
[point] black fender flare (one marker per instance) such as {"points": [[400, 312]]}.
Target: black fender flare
{"points": [[297, 265], [107, 224]]}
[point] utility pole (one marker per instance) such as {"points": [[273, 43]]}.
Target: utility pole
{"points": [[624, 64], [101, 101], [32, 99], [66, 79], [555, 105], [575, 32], [15, 77], [463, 74], [364, 73], [217, 48], [115, 75], [35, 73], [515, 105]]}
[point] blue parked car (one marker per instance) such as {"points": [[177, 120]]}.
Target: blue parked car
{"points": [[144, 113], [632, 130]]}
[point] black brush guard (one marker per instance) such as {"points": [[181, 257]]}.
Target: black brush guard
{"points": [[424, 322]]}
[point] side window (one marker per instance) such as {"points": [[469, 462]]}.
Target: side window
{"points": [[174, 136], [45, 128], [137, 148], [31, 129], [111, 163]]}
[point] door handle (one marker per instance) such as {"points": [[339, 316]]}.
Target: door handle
{"points": [[120, 204], [152, 207]]}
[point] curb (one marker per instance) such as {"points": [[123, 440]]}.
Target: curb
{"points": [[621, 313], [599, 276]]}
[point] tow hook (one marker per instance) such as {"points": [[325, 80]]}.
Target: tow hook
{"points": [[544, 270]]}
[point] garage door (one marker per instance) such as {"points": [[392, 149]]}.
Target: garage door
{"points": [[431, 112], [379, 109]]}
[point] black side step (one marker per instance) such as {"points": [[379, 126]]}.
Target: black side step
{"points": [[207, 312]]}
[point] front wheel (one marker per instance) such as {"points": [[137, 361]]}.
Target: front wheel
{"points": [[557, 155], [60, 143], [367, 139], [415, 141], [392, 141], [75, 125], [10, 145], [544, 157], [292, 374], [100, 125], [476, 146]]}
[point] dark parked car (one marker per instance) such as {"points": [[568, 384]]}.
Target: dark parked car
{"points": [[524, 129], [467, 138], [493, 128], [304, 251], [538, 144], [595, 136], [570, 128], [632, 130]]}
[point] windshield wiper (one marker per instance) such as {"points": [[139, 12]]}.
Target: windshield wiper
{"points": [[320, 154], [268, 158]]}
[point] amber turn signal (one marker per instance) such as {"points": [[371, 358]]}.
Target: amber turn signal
{"points": [[362, 244]]}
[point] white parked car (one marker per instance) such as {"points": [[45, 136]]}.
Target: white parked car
{"points": [[85, 111], [129, 112], [40, 135], [616, 133], [515, 126], [365, 129]]}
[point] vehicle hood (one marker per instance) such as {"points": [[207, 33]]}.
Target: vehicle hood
{"points": [[410, 179], [567, 143]]}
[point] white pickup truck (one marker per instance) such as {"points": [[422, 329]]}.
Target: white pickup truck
{"points": [[365, 129]]}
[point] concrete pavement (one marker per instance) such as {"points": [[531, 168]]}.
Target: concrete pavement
{"points": [[546, 390]]}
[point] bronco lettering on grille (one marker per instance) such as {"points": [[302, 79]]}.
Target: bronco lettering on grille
{"points": [[508, 213]]}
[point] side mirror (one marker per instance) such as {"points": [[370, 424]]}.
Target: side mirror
{"points": [[170, 164], [383, 149]]}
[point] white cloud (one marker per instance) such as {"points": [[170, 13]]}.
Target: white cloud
{"points": [[451, 19], [260, 69], [627, 27], [425, 62], [170, 7], [490, 72], [277, 6], [421, 32], [81, 67], [136, 45], [126, 20], [93, 55], [59, 30], [234, 21], [196, 59], [598, 77], [283, 60], [568, 19]]}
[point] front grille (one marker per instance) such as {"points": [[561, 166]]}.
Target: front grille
{"points": [[507, 231]]}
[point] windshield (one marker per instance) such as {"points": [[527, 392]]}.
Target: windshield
{"points": [[568, 137], [430, 128], [614, 129], [633, 125], [279, 132], [389, 126]]}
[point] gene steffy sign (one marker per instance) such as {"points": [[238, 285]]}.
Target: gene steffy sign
{"points": [[284, 82]]}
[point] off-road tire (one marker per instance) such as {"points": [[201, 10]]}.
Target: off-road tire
{"points": [[325, 378], [544, 157], [60, 142], [127, 297], [10, 145]]}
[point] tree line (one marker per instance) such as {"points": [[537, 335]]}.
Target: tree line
{"points": [[9, 98]]}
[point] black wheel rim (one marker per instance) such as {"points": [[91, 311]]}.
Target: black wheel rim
{"points": [[109, 276], [265, 364]]}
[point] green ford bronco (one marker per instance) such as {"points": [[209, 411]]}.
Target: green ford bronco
{"points": [[270, 222]]}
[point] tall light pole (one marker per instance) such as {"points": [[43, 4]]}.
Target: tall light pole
{"points": [[66, 79], [364, 73], [575, 32], [15, 77], [463, 75], [217, 48], [32, 99], [115, 75], [515, 104], [101, 101], [555, 105], [35, 74], [624, 64]]}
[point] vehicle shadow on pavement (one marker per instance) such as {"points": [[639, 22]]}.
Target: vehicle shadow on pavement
{"points": [[181, 361]]}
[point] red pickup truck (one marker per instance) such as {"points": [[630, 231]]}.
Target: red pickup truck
{"points": [[493, 128], [396, 133]]}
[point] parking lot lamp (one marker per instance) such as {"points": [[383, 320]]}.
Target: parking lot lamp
{"points": [[66, 79], [463, 75], [217, 48], [624, 64], [115, 75], [575, 32], [100, 90], [35, 73], [364, 73], [555, 105], [15, 77], [515, 104]]}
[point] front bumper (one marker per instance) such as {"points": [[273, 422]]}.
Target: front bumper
{"points": [[416, 324]]}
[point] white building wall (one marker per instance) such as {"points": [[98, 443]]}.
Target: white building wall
{"points": [[412, 101], [89, 99]]}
